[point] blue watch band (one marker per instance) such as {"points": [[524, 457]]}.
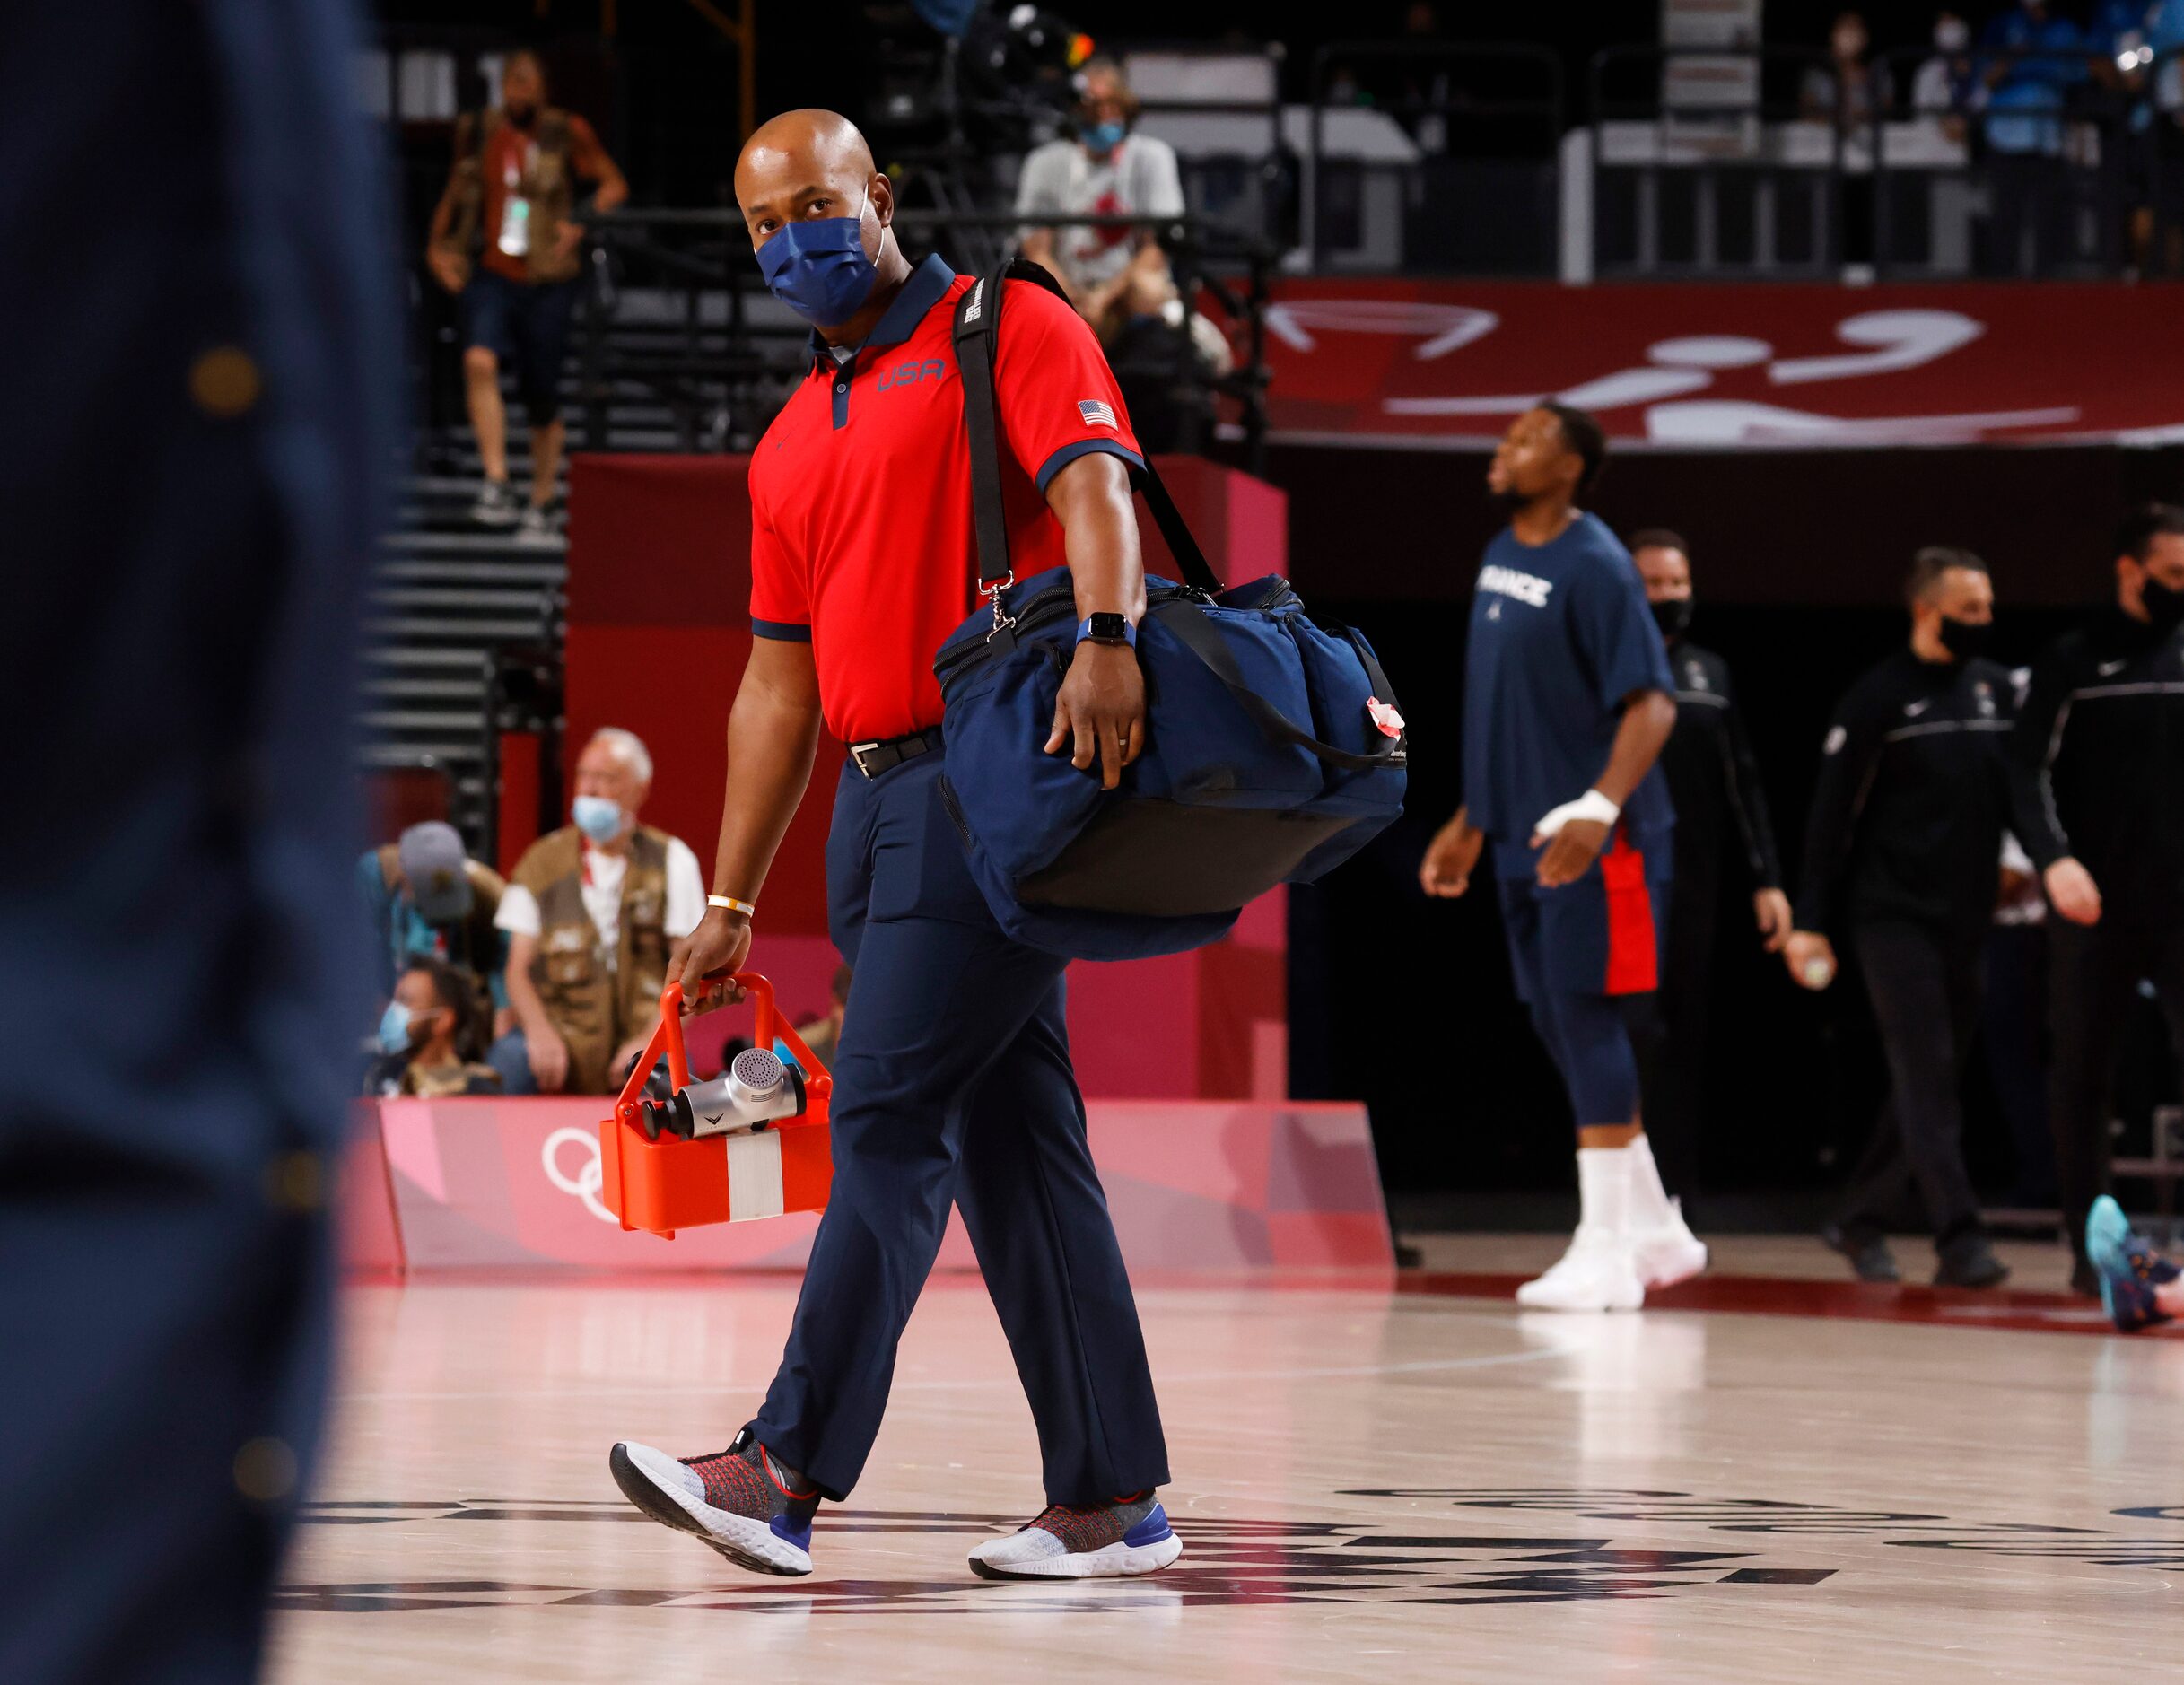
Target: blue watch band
{"points": [[1128, 635]]}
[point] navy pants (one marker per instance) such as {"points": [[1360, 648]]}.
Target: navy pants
{"points": [[1567, 958], [952, 1083]]}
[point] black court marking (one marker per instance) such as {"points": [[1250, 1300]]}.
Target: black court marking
{"points": [[1248, 1563], [1914, 1530], [1226, 1564]]}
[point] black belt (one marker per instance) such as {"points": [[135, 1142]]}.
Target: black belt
{"points": [[872, 759]]}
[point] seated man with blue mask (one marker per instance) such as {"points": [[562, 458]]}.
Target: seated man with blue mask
{"points": [[591, 911], [429, 1036]]}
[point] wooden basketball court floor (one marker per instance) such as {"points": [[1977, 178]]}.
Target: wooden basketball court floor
{"points": [[1763, 1480]]}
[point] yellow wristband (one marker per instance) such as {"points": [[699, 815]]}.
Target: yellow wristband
{"points": [[749, 909]]}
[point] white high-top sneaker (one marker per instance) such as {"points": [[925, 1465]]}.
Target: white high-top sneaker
{"points": [[1597, 1273], [1668, 1253]]}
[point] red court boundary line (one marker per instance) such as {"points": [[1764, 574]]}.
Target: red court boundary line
{"points": [[1847, 1301], [2012, 1310]]}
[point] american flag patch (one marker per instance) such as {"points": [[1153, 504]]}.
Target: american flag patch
{"points": [[1096, 414]]}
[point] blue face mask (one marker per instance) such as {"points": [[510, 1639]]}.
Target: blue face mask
{"points": [[1103, 138], [393, 1028], [819, 269], [597, 817]]}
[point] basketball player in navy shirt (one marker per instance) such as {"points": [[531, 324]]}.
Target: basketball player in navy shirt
{"points": [[1567, 700]]}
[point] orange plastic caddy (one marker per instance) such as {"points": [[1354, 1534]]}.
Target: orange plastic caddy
{"points": [[671, 1184]]}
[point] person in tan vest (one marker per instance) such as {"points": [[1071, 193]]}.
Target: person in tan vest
{"points": [[590, 912], [504, 238]]}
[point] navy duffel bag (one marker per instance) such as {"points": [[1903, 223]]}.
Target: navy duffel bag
{"points": [[1275, 749]]}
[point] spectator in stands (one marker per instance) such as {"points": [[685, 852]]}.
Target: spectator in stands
{"points": [[429, 1036], [427, 900], [2026, 85], [592, 913], [2159, 228], [1426, 89], [505, 237], [1947, 85], [1119, 278], [1106, 170], [823, 1036], [1850, 90]]}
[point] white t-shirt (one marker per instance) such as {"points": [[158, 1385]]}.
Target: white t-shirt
{"points": [[603, 875], [1139, 178]]}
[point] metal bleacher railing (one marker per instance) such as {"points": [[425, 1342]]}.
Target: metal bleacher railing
{"points": [[678, 322], [1758, 164], [1433, 158]]}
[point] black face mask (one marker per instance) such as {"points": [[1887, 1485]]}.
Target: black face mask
{"points": [[1674, 617], [1966, 640], [2165, 606], [522, 115]]}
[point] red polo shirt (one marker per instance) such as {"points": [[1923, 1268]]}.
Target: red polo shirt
{"points": [[861, 491]]}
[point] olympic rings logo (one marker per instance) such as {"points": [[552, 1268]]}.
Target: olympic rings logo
{"points": [[586, 1182]]}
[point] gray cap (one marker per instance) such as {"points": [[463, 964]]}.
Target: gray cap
{"points": [[431, 858]]}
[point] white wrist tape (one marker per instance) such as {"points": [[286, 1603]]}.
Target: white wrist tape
{"points": [[1591, 804]]}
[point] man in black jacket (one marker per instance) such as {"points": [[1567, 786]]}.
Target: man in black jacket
{"points": [[1903, 851], [1714, 782], [2098, 781]]}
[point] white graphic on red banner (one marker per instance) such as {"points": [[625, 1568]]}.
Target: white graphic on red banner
{"points": [[1709, 366]]}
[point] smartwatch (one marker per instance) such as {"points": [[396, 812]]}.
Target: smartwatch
{"points": [[1107, 629]]}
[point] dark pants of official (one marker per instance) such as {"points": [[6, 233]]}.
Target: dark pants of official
{"points": [[1924, 988], [952, 1082], [2093, 974], [1670, 1029], [166, 1323]]}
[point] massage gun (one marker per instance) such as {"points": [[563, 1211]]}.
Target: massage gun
{"points": [[758, 1088]]}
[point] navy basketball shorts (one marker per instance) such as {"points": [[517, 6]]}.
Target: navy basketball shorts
{"points": [[1579, 954]]}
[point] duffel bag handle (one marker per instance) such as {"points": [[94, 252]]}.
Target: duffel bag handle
{"points": [[1188, 624], [978, 328]]}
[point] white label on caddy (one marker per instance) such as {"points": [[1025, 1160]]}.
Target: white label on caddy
{"points": [[753, 1176]]}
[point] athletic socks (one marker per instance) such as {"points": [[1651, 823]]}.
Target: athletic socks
{"points": [[1604, 1190], [1649, 1206]]}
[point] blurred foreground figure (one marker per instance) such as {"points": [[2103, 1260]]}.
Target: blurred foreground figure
{"points": [[193, 411]]}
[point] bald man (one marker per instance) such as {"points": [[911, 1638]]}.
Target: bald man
{"points": [[952, 1078]]}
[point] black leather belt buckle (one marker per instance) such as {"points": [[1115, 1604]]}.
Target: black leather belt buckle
{"points": [[872, 759]]}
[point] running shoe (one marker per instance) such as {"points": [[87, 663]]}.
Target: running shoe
{"points": [[2130, 1269], [741, 1501], [1969, 1261], [1083, 1541], [1870, 1258], [538, 528], [1668, 1253], [495, 506], [1599, 1272]]}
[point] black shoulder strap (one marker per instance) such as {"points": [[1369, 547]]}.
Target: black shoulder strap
{"points": [[978, 332], [978, 328]]}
